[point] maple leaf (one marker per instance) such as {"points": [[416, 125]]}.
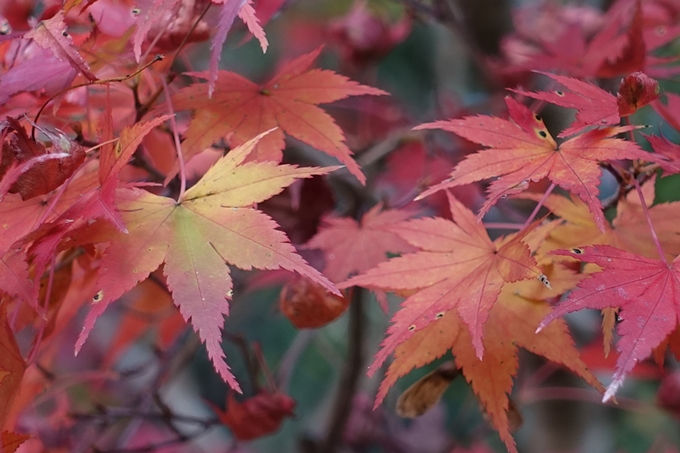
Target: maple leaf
{"points": [[671, 151], [41, 170], [629, 230], [595, 106], [512, 323], [522, 150], [670, 111], [231, 9], [212, 225], [353, 247], [647, 292], [10, 441], [51, 34], [289, 101], [459, 268], [54, 76]]}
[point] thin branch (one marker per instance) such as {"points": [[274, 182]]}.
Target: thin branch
{"points": [[350, 377]]}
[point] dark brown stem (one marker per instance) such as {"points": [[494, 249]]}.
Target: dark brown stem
{"points": [[350, 375]]}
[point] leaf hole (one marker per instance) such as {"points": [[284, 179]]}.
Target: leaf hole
{"points": [[577, 251], [412, 327], [439, 315]]}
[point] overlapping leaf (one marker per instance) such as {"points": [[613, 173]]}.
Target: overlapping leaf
{"points": [[212, 225], [459, 268], [51, 34], [595, 106], [243, 109], [647, 291], [352, 247], [512, 323], [522, 150]]}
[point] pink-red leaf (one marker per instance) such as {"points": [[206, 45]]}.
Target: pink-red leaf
{"points": [[51, 34], [522, 150], [353, 247], [647, 291], [595, 106]]}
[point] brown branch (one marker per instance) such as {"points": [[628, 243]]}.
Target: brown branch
{"points": [[350, 377]]}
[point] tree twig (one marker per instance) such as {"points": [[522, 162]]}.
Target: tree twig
{"points": [[350, 376]]}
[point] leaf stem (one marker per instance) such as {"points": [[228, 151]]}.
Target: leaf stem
{"points": [[539, 205], [645, 210], [43, 321], [178, 146], [503, 226], [158, 57]]}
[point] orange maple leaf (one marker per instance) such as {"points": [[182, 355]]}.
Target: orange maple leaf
{"points": [[512, 322], [212, 225], [523, 150], [289, 101], [459, 268]]}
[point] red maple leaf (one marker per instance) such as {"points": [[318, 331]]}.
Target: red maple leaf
{"points": [[668, 149], [459, 269], [10, 441], [195, 237], [522, 150], [243, 109], [647, 292], [670, 111], [353, 247], [595, 106], [51, 34]]}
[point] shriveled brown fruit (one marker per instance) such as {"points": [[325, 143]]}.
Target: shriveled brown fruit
{"points": [[308, 304]]}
